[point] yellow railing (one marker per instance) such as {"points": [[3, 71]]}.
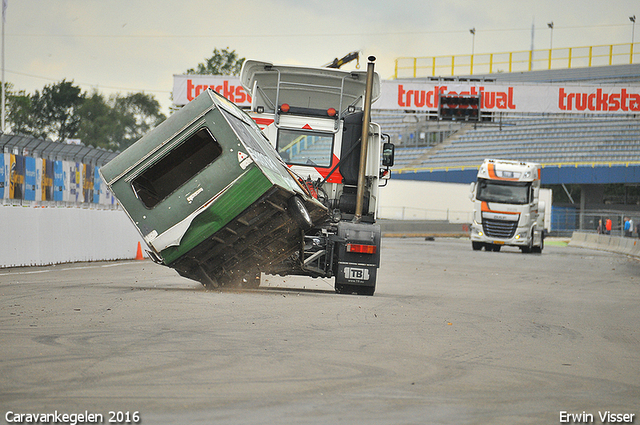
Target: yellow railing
{"points": [[526, 60]]}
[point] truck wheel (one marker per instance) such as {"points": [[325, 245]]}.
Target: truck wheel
{"points": [[300, 213], [538, 249], [476, 246]]}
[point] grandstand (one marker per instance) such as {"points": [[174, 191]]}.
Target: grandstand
{"points": [[550, 140], [592, 144]]}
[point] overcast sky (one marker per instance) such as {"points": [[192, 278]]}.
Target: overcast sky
{"points": [[138, 45]]}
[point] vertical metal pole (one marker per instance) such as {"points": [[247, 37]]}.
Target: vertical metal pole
{"points": [[364, 140], [2, 119]]}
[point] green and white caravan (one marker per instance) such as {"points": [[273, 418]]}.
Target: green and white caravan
{"points": [[210, 195]]}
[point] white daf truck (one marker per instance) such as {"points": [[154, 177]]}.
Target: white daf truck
{"points": [[509, 208], [316, 119]]}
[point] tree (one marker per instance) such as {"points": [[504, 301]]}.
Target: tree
{"points": [[62, 111], [138, 114], [119, 121], [19, 110], [223, 62], [55, 110], [50, 114], [98, 125]]}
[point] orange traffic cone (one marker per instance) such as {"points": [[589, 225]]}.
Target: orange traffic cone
{"points": [[139, 253]]}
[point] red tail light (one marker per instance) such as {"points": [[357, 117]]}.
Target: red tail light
{"points": [[361, 249], [331, 112], [284, 107]]}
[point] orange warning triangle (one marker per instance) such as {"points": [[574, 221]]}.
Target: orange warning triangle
{"points": [[307, 127]]}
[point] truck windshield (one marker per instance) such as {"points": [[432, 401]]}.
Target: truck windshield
{"points": [[503, 192], [305, 148]]}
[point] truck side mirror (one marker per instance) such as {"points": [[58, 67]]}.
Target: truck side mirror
{"points": [[388, 154]]}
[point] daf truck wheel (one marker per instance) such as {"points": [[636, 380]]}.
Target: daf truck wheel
{"points": [[538, 249]]}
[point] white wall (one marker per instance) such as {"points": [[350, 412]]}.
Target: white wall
{"points": [[416, 200], [42, 236]]}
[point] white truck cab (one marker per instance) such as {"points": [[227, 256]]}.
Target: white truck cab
{"points": [[316, 118], [507, 206]]}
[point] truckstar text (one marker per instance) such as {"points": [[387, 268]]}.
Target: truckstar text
{"points": [[235, 94], [599, 101]]}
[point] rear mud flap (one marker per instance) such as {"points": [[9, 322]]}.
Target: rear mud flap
{"points": [[357, 274], [356, 268]]}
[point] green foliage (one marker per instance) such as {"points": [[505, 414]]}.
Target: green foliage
{"points": [[19, 110], [62, 111], [56, 107], [50, 113], [223, 62], [119, 121]]}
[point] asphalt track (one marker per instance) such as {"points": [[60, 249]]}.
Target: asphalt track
{"points": [[452, 336]]}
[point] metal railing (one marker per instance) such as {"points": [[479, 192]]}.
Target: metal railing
{"points": [[566, 220], [518, 61]]}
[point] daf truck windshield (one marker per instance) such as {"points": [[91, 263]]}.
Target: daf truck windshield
{"points": [[503, 192]]}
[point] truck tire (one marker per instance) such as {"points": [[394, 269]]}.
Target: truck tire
{"points": [[299, 212], [538, 249], [529, 248], [476, 246]]}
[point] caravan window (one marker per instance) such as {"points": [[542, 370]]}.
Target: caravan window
{"points": [[176, 168]]}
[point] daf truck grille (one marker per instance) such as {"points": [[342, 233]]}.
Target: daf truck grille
{"points": [[499, 228]]}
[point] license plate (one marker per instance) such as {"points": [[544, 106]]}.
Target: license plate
{"points": [[498, 242]]}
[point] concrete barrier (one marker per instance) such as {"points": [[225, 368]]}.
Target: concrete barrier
{"points": [[617, 244], [42, 236], [422, 228]]}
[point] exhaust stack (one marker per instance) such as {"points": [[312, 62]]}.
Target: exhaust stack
{"points": [[366, 120]]}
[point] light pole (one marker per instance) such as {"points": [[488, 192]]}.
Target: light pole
{"points": [[550, 25], [473, 45]]}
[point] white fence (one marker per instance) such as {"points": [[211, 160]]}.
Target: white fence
{"points": [[41, 236]]}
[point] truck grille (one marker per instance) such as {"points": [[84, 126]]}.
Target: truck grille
{"points": [[499, 228]]}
